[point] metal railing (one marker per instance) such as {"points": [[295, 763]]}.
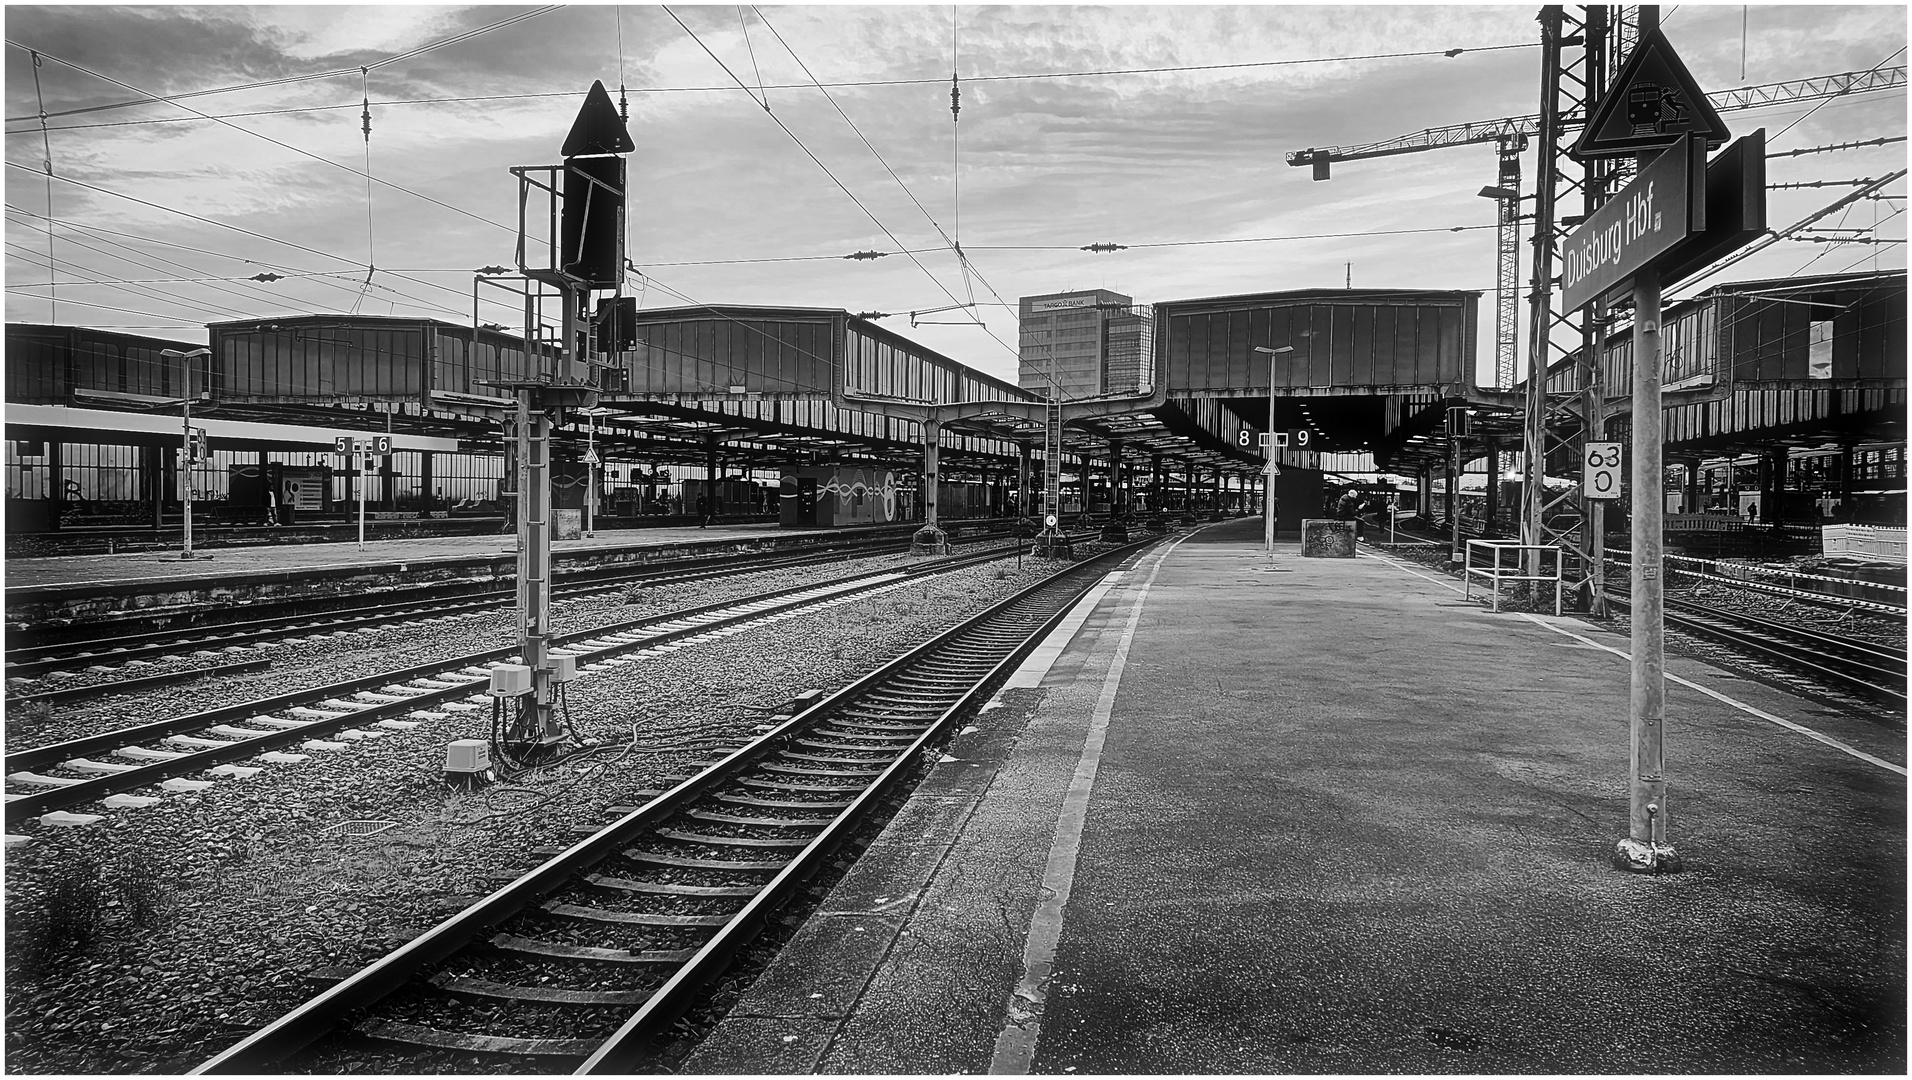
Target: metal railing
{"points": [[1494, 569]]}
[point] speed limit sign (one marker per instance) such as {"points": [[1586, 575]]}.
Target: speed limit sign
{"points": [[1601, 479]]}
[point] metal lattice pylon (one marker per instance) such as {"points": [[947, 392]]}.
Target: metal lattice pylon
{"points": [[1580, 49], [1052, 459], [1507, 266]]}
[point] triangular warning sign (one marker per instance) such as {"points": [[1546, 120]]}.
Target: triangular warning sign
{"points": [[598, 128], [1649, 106]]}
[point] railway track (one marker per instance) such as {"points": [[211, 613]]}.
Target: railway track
{"points": [[584, 960], [1841, 662], [1832, 661], [168, 751], [113, 646]]}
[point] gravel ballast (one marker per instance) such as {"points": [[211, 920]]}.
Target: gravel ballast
{"points": [[158, 936]]}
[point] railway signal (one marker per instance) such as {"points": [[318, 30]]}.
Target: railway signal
{"points": [[586, 254]]}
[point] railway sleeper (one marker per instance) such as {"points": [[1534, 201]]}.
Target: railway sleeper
{"points": [[715, 840], [580, 913], [837, 759], [821, 789], [406, 1034], [875, 743], [612, 884], [770, 822], [745, 865], [784, 804], [515, 945], [846, 774], [468, 986]]}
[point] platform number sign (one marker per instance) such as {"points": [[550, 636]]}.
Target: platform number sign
{"points": [[1292, 439], [1601, 479]]}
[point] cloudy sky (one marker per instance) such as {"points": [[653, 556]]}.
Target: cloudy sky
{"points": [[162, 212]]}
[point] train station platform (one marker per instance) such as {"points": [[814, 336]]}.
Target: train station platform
{"points": [[1326, 816], [47, 586]]}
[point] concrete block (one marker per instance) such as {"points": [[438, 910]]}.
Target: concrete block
{"points": [[1326, 538]]}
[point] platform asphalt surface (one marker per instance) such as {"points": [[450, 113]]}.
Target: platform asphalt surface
{"points": [[80, 570], [1334, 819]]}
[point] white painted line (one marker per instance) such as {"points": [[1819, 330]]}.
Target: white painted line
{"points": [[1689, 684], [1043, 656], [1016, 1043], [1734, 702]]}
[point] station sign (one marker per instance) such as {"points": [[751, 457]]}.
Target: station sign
{"points": [[1735, 210], [1652, 103], [377, 444], [1600, 472], [1663, 205]]}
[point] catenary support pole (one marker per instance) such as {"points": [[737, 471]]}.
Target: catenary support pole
{"points": [[1646, 848]]}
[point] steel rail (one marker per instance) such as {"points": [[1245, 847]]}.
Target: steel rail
{"points": [[582, 581], [90, 790], [1840, 661], [129, 686], [322, 1014]]}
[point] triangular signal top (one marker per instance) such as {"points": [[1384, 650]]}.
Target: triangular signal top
{"points": [[598, 128], [1650, 105]]}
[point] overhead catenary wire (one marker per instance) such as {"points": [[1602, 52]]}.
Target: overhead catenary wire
{"points": [[209, 283], [1797, 120], [1092, 73], [288, 146], [834, 179], [248, 232], [46, 147], [327, 278], [370, 257], [151, 99], [74, 269], [952, 243]]}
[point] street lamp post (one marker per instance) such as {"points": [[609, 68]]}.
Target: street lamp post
{"points": [[590, 480], [186, 358], [591, 467], [1268, 466]]}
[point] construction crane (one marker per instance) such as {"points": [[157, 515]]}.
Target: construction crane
{"points": [[1512, 134]]}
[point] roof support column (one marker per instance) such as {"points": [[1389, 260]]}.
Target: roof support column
{"points": [[1025, 499], [709, 510], [1493, 487], [930, 539], [1215, 495], [1117, 529]]}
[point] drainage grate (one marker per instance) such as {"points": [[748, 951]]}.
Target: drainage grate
{"points": [[357, 828]]}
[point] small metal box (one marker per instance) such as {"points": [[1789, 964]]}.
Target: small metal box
{"points": [[564, 666], [467, 756], [510, 680]]}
